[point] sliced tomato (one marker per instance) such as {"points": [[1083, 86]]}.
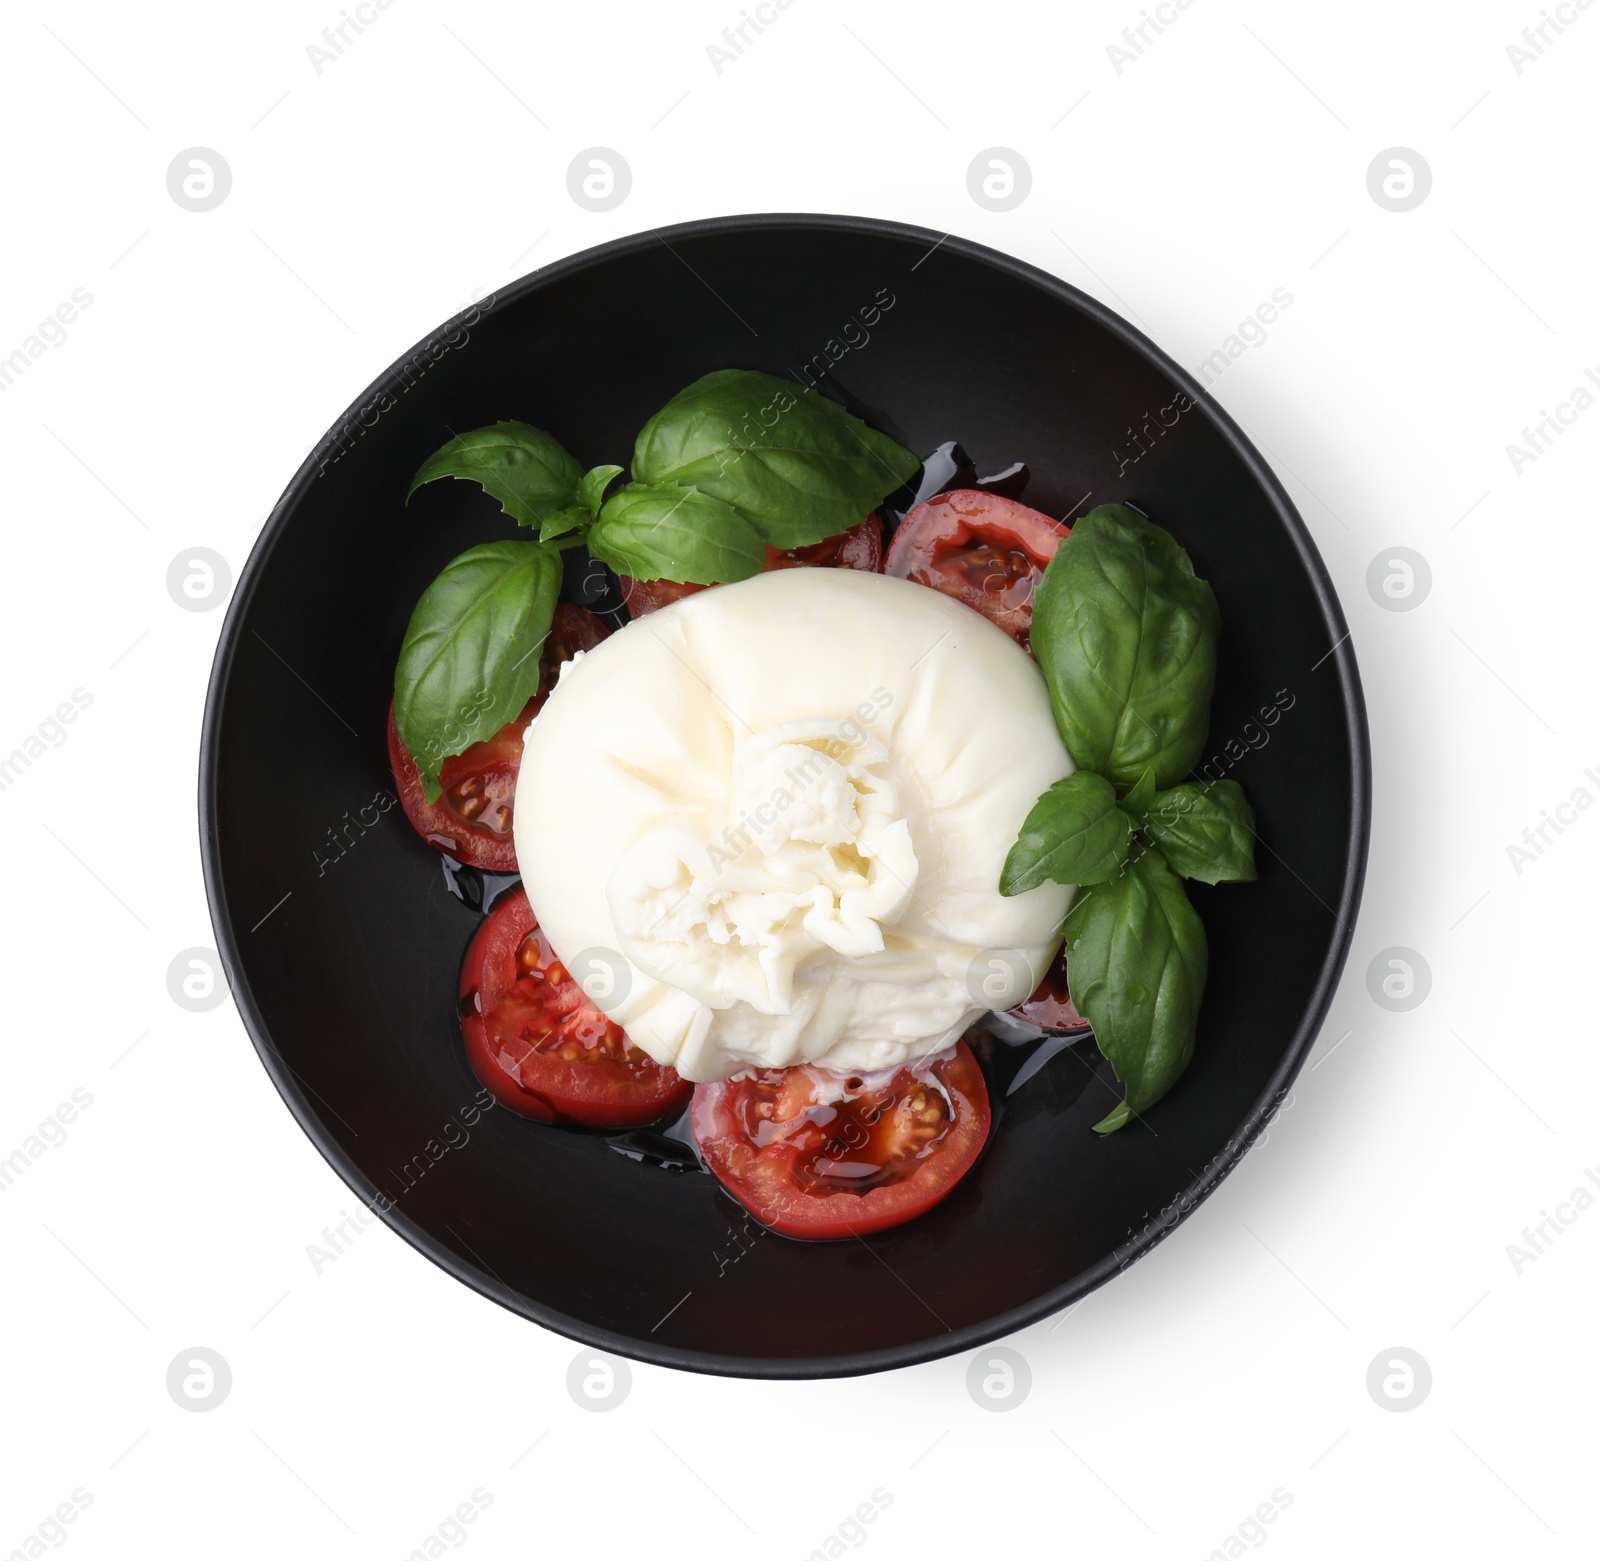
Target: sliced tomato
{"points": [[642, 596], [861, 547], [821, 1155], [471, 820], [980, 548], [1051, 1006], [540, 1045]]}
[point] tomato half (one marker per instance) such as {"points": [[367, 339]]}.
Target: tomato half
{"points": [[1051, 1006], [471, 820], [980, 548], [538, 1043], [821, 1155], [861, 547]]}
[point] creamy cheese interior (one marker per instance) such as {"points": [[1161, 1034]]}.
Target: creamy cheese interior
{"points": [[765, 825]]}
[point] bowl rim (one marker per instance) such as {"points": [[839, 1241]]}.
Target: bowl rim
{"points": [[1158, 1226]]}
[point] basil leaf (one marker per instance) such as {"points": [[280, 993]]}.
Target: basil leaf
{"points": [[1137, 801], [524, 468], [1136, 965], [559, 522], [593, 487], [1126, 636], [797, 466], [664, 532], [470, 659], [1074, 834], [1205, 832]]}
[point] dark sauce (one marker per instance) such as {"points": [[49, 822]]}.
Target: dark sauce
{"points": [[1038, 1055], [586, 582], [1011, 1064], [950, 467], [672, 1147], [475, 888]]}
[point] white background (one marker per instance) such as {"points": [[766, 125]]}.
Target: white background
{"points": [[371, 201]]}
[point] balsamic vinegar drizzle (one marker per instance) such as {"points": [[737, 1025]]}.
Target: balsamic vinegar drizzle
{"points": [[673, 1147], [947, 468], [475, 888]]}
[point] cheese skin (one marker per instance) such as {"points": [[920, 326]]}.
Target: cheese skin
{"points": [[770, 820]]}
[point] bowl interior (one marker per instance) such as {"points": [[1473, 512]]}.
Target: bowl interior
{"points": [[344, 939]]}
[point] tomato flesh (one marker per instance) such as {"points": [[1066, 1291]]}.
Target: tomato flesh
{"points": [[982, 549], [1051, 1007], [540, 1045], [861, 547], [821, 1155], [471, 820]]}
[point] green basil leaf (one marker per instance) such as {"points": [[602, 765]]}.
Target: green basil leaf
{"points": [[593, 487], [1136, 965], [559, 522], [470, 659], [797, 466], [522, 467], [1137, 801], [1074, 834], [1205, 832], [664, 532], [1126, 636]]}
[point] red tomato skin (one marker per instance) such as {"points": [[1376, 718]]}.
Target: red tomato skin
{"points": [[495, 760], [435, 822], [861, 547], [953, 539], [595, 1092], [769, 1191]]}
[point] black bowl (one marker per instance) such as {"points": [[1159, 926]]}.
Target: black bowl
{"points": [[342, 937]]}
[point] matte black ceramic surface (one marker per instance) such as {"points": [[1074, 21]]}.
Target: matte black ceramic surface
{"points": [[348, 986]]}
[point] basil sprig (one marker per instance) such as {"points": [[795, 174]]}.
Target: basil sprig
{"points": [[1205, 832], [655, 531], [1074, 833], [1126, 637], [522, 467], [470, 658], [1136, 967], [738, 462], [796, 466]]}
